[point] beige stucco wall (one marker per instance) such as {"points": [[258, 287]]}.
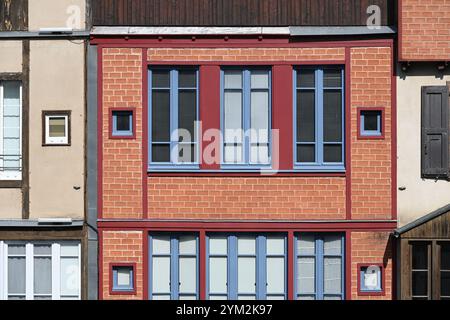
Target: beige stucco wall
{"points": [[56, 14], [421, 196], [10, 56], [57, 83], [10, 203]]}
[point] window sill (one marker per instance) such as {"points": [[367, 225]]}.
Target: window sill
{"points": [[242, 173]]}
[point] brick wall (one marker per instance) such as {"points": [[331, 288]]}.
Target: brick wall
{"points": [[371, 159], [122, 159], [425, 26], [371, 248], [122, 247], [246, 198]]}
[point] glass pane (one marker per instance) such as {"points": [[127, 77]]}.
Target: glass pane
{"points": [[246, 246], [187, 114], [332, 275], [70, 276], [246, 275], [42, 298], [371, 120], [124, 277], [218, 275], [259, 154], [445, 256], [309, 297], [420, 256], [275, 297], [187, 79], [332, 116], [188, 297], [259, 116], [57, 127], [123, 120], [16, 275], [188, 275], [233, 116], [275, 275], [188, 245], [160, 245], [332, 153], [420, 283], [306, 153], [16, 249], [16, 298], [161, 115], [218, 246], [445, 283], [306, 116], [306, 275], [42, 275], [260, 79], [306, 78], [69, 250], [233, 154], [160, 153], [216, 297], [332, 78], [332, 298], [161, 297], [275, 246], [187, 153], [161, 78], [332, 245], [161, 274], [246, 297], [42, 250], [233, 79], [306, 245]]}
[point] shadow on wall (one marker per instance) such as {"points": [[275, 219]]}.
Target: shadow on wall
{"points": [[423, 69]]}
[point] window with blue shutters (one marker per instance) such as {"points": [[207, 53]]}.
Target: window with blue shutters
{"points": [[319, 119], [319, 266], [246, 267], [10, 130]]}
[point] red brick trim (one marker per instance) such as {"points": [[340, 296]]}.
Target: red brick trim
{"points": [[383, 123], [122, 264], [119, 137]]}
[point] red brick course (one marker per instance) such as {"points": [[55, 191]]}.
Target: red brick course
{"points": [[425, 30]]}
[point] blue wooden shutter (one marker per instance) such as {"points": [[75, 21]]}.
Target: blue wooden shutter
{"points": [[435, 127]]}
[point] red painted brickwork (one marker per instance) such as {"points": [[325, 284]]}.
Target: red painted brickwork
{"points": [[122, 159], [122, 247], [291, 198], [371, 70], [247, 54], [425, 30], [371, 248]]}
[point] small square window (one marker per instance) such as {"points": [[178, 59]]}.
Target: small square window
{"points": [[123, 279], [56, 126], [371, 124], [122, 124], [370, 279]]}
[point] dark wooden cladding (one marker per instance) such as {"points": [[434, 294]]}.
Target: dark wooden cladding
{"points": [[13, 15], [437, 228], [238, 12]]}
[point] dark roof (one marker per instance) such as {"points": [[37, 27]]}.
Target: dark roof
{"points": [[422, 220]]}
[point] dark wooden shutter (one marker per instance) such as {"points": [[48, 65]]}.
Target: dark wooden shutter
{"points": [[435, 125]]}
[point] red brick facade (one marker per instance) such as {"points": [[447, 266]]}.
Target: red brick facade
{"points": [[424, 30], [362, 193]]}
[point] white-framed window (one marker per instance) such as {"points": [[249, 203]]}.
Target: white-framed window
{"points": [[10, 130], [56, 128], [40, 270]]}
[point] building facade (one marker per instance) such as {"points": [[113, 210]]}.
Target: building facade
{"points": [[43, 238], [423, 149], [240, 158]]}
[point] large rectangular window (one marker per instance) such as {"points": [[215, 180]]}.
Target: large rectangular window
{"points": [[319, 267], [10, 130], [319, 118], [40, 271], [246, 117], [246, 267], [173, 104], [174, 267]]}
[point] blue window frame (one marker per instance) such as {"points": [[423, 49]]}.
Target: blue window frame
{"points": [[122, 123], [370, 278], [370, 122], [123, 279], [246, 266], [319, 106], [173, 265], [173, 118], [246, 119], [319, 266]]}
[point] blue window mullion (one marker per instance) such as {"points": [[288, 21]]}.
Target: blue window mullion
{"points": [[174, 277], [261, 268], [343, 267], [319, 118], [319, 269], [344, 123], [246, 113], [149, 118], [232, 280], [174, 115], [150, 267]]}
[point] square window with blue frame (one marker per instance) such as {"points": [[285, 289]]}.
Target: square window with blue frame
{"points": [[123, 279], [319, 118], [370, 123], [122, 124], [370, 279]]}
